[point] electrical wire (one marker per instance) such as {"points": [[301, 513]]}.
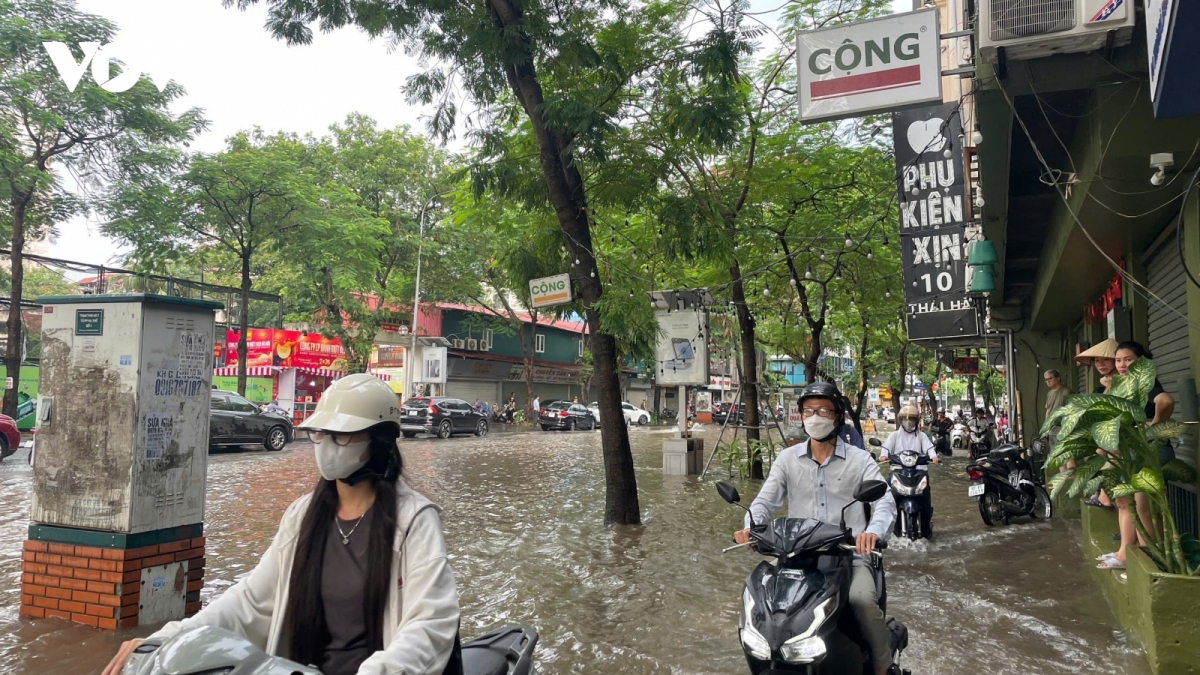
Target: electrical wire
{"points": [[1179, 229]]}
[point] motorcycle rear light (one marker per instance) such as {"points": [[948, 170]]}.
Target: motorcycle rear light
{"points": [[974, 474]]}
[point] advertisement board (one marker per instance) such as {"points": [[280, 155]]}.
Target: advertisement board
{"points": [[433, 366], [682, 348], [878, 65], [286, 349], [550, 291], [933, 242], [966, 365]]}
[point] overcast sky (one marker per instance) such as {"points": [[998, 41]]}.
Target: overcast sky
{"points": [[243, 77]]}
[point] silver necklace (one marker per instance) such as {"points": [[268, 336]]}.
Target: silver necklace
{"points": [[346, 535]]}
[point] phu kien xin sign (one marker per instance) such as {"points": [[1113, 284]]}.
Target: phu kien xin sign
{"points": [[879, 65]]}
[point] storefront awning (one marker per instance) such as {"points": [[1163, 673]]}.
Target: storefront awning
{"points": [[252, 371]]}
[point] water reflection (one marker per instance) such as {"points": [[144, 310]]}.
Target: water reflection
{"points": [[522, 515]]}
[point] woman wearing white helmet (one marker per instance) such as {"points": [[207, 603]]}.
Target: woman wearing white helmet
{"points": [[356, 580], [910, 437]]}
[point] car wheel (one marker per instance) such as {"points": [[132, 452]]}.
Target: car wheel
{"points": [[409, 434], [481, 429], [444, 430], [643, 420], [4, 451], [544, 427], [276, 439], [570, 425]]}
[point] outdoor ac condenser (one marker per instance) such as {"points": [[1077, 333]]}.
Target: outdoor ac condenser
{"points": [[1030, 29]]}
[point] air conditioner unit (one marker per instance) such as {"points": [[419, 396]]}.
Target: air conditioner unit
{"points": [[473, 345], [485, 346], [459, 344], [1030, 29]]}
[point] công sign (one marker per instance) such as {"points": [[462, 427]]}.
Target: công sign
{"points": [[879, 65], [550, 291]]}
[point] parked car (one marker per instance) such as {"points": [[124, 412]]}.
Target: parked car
{"points": [[10, 437], [233, 420], [441, 416], [566, 415], [632, 413]]}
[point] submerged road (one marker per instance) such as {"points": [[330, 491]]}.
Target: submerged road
{"points": [[523, 513]]}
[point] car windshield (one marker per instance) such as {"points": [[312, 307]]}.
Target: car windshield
{"points": [[557, 405], [417, 402]]}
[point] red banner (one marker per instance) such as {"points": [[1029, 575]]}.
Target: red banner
{"points": [[286, 349], [1098, 310]]}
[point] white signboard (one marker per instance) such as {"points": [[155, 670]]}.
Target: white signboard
{"points": [[550, 291], [433, 366], [878, 65], [682, 348]]}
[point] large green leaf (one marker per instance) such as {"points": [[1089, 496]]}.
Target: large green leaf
{"points": [[1078, 418], [1107, 434], [1120, 490], [1136, 413], [1076, 450], [1057, 482], [1178, 471], [1149, 481], [1164, 430]]}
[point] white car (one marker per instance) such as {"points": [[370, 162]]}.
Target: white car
{"points": [[633, 414]]}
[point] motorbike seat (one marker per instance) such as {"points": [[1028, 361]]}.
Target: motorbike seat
{"points": [[484, 662], [1005, 453]]}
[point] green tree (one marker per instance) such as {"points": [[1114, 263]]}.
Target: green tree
{"points": [[241, 200], [46, 128]]}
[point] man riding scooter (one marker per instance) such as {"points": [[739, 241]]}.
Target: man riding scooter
{"points": [[817, 478], [983, 434], [909, 437], [941, 432]]}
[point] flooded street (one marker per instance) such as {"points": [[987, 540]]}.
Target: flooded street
{"points": [[523, 519]]}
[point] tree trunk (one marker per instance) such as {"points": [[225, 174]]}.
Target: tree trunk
{"points": [[864, 378], [243, 324], [565, 188], [12, 353], [749, 366], [971, 394]]}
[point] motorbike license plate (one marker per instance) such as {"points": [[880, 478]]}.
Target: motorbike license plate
{"points": [[976, 490]]}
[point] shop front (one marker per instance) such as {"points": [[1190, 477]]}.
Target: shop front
{"points": [[550, 383]]}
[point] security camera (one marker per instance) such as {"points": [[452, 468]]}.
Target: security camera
{"points": [[1161, 161]]}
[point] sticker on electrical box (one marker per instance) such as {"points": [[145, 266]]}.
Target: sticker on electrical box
{"points": [[126, 360], [158, 434]]}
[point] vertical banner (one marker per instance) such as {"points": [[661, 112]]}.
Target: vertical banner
{"points": [[433, 366], [682, 348], [933, 210]]}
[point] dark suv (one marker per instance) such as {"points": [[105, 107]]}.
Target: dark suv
{"points": [[442, 416], [235, 421], [566, 415]]}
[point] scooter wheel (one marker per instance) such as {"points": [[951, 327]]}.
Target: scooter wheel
{"points": [[990, 508]]}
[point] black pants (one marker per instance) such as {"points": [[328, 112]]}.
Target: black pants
{"points": [[927, 511]]}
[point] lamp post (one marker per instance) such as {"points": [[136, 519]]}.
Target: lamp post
{"points": [[412, 357]]}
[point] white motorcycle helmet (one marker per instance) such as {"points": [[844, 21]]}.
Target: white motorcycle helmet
{"points": [[358, 403], [909, 412]]}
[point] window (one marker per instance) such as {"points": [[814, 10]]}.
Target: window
{"points": [[539, 343], [239, 404], [581, 347], [219, 403]]}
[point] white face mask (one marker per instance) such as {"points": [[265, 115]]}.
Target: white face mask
{"points": [[909, 425], [818, 427], [336, 462]]}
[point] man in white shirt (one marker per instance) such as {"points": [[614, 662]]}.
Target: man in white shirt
{"points": [[537, 405], [908, 436]]}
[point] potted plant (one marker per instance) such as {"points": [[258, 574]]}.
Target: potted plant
{"points": [[1114, 448]]}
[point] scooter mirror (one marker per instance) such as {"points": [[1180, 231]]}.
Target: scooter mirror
{"points": [[870, 490], [876, 442], [728, 492]]}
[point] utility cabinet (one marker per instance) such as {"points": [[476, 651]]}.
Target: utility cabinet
{"points": [[123, 412]]}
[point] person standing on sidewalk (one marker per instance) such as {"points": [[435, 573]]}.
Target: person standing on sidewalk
{"points": [[1055, 398], [356, 581]]}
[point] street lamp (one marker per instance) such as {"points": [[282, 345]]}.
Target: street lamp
{"points": [[412, 356]]}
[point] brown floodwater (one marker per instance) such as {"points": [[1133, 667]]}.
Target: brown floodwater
{"points": [[523, 513]]}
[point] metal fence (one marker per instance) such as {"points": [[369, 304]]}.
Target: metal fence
{"points": [[1182, 500]]}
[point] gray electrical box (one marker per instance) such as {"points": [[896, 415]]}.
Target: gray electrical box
{"points": [[123, 405]]}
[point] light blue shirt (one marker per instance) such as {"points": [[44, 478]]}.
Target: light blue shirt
{"points": [[820, 491]]}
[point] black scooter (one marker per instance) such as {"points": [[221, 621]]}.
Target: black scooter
{"points": [[1003, 484], [910, 486], [795, 609]]}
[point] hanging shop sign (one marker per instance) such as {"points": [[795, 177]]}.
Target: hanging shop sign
{"points": [[722, 382], [550, 291], [433, 366], [879, 65], [682, 353], [389, 356], [966, 365], [933, 243], [479, 370], [286, 349], [545, 375], [1173, 43]]}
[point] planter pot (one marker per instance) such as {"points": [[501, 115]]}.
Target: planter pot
{"points": [[1159, 609]]}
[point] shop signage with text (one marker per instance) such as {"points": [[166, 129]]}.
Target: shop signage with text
{"points": [[550, 291], [286, 349]]}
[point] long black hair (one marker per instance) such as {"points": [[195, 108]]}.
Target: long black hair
{"points": [[1137, 349], [305, 612]]}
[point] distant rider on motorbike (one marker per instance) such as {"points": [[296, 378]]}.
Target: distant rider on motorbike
{"points": [[909, 437], [984, 428], [942, 425], [817, 478]]}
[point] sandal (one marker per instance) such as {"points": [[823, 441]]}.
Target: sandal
{"points": [[1094, 500], [1105, 556], [1110, 564]]}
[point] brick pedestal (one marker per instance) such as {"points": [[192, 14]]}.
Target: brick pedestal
{"points": [[105, 586]]}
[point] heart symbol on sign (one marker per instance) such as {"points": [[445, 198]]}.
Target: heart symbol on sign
{"points": [[926, 136]]}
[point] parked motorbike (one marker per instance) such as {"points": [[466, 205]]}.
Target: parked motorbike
{"points": [[1003, 484], [668, 414], [795, 607], [909, 487], [209, 650], [959, 436]]}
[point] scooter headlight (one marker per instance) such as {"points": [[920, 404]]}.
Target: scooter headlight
{"points": [[923, 484], [804, 650], [908, 459], [752, 640], [901, 488]]}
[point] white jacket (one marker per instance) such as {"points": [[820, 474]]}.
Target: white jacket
{"points": [[421, 616]]}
